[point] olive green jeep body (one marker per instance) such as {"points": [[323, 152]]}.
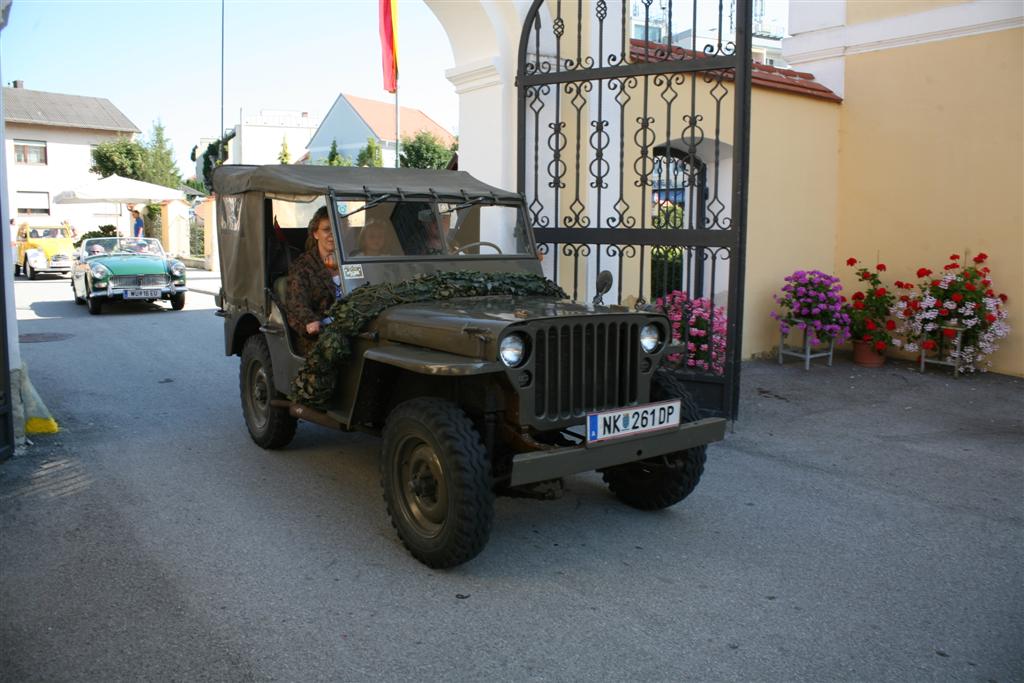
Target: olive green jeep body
{"points": [[472, 395]]}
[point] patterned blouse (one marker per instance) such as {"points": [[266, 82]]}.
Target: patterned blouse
{"points": [[311, 292]]}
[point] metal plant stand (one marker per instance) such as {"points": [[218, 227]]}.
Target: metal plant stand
{"points": [[940, 353], [805, 351]]}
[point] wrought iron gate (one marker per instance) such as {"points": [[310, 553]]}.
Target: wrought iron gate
{"points": [[633, 139]]}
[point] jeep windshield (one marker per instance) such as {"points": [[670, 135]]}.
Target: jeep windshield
{"points": [[421, 229]]}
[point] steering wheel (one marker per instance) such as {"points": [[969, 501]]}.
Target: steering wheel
{"points": [[492, 245]]}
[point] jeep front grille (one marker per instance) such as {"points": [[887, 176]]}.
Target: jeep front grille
{"points": [[130, 281], [581, 367]]}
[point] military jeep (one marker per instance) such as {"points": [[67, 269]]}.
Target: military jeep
{"points": [[473, 396]]}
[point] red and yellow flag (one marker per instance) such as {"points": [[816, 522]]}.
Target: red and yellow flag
{"points": [[389, 43]]}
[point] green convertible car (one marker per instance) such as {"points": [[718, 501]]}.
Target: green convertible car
{"points": [[123, 268]]}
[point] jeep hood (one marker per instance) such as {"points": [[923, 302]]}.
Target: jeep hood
{"points": [[460, 325]]}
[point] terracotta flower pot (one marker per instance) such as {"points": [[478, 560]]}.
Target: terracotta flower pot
{"points": [[864, 354]]}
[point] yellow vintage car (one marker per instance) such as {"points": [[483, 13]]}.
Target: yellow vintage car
{"points": [[43, 250]]}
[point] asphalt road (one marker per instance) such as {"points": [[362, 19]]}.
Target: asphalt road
{"points": [[856, 525]]}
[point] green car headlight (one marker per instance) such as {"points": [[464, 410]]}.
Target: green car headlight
{"points": [[99, 271]]}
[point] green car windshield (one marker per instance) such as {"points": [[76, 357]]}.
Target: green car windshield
{"points": [[105, 246], [416, 229]]}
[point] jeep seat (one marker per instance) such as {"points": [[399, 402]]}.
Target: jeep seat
{"points": [[280, 290]]}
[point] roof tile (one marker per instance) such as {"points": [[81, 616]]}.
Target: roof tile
{"points": [[67, 111], [762, 75]]}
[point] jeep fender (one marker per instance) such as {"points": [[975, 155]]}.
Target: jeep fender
{"points": [[429, 365]]}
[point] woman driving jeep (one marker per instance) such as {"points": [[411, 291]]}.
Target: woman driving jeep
{"points": [[313, 282]]}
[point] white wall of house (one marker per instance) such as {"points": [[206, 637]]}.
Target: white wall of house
{"points": [[68, 158], [258, 138], [343, 124]]}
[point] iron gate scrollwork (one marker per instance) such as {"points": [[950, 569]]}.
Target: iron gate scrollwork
{"points": [[633, 143]]}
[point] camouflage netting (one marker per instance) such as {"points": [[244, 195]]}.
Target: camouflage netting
{"points": [[314, 385]]}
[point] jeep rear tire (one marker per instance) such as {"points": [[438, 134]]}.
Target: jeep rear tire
{"points": [[270, 427], [663, 481], [437, 482]]}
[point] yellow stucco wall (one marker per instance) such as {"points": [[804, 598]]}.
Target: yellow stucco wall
{"points": [[862, 11], [793, 201], [930, 163]]}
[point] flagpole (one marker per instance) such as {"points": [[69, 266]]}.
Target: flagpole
{"points": [[398, 129]]}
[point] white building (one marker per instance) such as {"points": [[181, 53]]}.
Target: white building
{"points": [[353, 120], [49, 142], [258, 139]]}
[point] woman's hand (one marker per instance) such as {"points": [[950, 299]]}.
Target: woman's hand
{"points": [[313, 328]]}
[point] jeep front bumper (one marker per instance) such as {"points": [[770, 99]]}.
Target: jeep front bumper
{"points": [[535, 466]]}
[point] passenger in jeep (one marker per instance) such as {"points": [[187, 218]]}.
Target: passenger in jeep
{"points": [[313, 282]]}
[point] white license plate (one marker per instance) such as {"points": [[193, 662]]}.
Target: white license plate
{"points": [[142, 294], [613, 424]]}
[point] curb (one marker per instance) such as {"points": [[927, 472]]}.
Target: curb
{"points": [[38, 419]]}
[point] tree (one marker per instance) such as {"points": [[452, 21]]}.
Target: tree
{"points": [[370, 155], [159, 167], [123, 157], [336, 158], [285, 157], [195, 184], [424, 151]]}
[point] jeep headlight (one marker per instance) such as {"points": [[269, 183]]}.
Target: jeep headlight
{"points": [[99, 271], [650, 337], [177, 269], [512, 350]]}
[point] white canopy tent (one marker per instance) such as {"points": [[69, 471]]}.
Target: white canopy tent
{"points": [[117, 190]]}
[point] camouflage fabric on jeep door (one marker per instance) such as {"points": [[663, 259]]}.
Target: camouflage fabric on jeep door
{"points": [[314, 385]]}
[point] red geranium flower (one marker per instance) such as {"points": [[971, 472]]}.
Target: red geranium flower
{"points": [[989, 292], [866, 337], [880, 291], [943, 311], [969, 287], [870, 324], [1003, 298], [858, 305], [980, 257], [851, 261], [951, 266], [986, 269], [880, 346], [880, 267], [904, 298], [890, 325], [914, 303], [907, 312], [857, 296], [957, 297], [986, 282], [935, 283], [991, 318], [923, 272], [949, 333], [928, 344], [954, 257]]}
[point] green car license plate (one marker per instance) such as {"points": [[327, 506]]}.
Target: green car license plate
{"points": [[142, 294], [614, 424]]}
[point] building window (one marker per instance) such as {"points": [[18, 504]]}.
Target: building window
{"points": [[30, 152], [33, 203]]}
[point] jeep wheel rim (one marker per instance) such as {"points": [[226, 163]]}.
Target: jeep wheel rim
{"points": [[259, 394], [423, 489]]}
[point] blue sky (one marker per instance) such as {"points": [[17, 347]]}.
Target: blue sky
{"points": [[161, 60]]}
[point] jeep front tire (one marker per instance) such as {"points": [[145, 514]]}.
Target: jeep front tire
{"points": [[269, 426], [437, 482]]}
